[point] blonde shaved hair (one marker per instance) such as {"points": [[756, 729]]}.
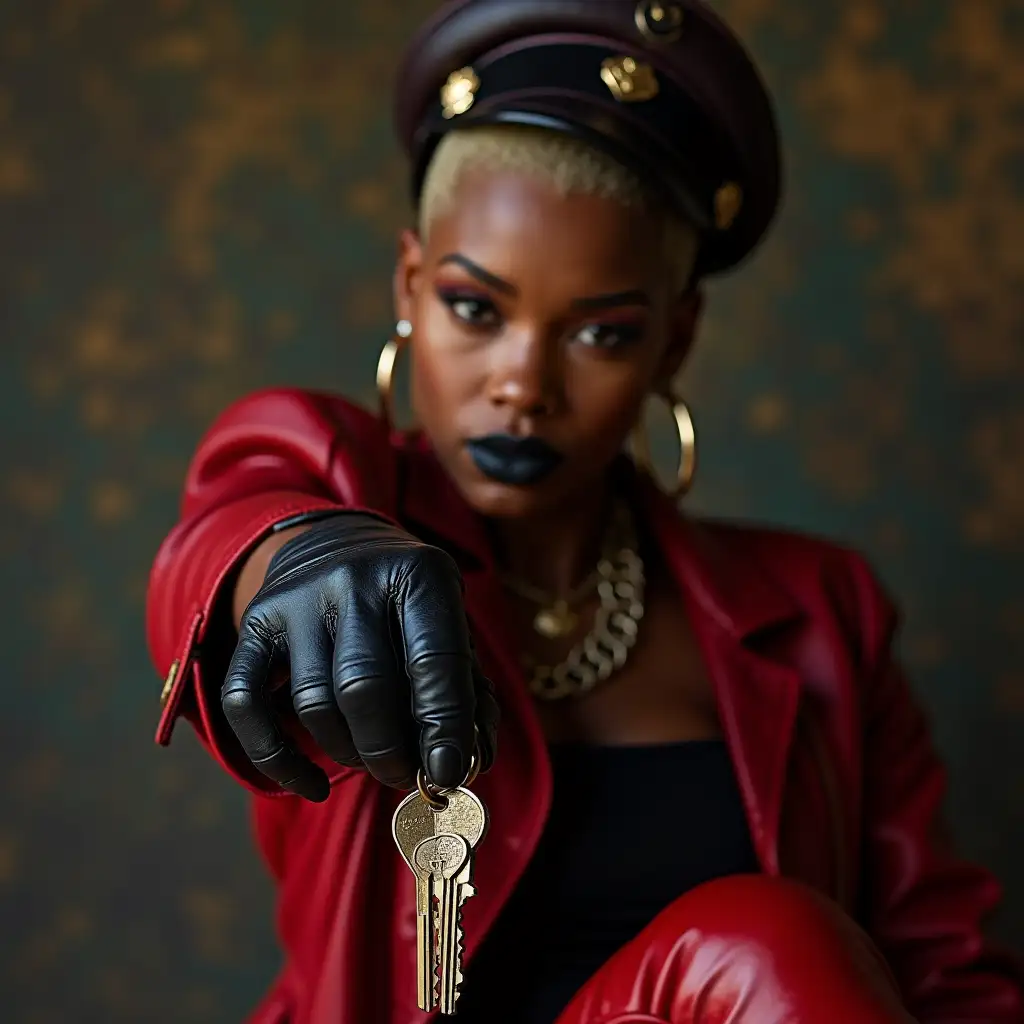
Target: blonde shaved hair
{"points": [[568, 165]]}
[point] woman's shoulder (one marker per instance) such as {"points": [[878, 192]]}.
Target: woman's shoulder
{"points": [[300, 411], [822, 575], [321, 438], [787, 547]]}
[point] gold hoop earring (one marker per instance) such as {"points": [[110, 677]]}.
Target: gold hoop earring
{"points": [[687, 438], [386, 371]]}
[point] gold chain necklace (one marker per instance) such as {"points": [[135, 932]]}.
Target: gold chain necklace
{"points": [[555, 616], [604, 650]]}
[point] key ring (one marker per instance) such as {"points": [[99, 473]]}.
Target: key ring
{"points": [[433, 796]]}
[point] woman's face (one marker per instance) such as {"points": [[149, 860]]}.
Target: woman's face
{"points": [[540, 323]]}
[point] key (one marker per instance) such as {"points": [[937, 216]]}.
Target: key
{"points": [[463, 815], [444, 857], [412, 824], [451, 958]]}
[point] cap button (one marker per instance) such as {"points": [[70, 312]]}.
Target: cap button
{"points": [[459, 93], [629, 80], [659, 21], [728, 203]]}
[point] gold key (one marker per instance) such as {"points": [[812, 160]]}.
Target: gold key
{"points": [[455, 812], [413, 822], [442, 859]]}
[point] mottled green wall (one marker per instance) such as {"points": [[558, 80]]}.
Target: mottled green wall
{"points": [[198, 198]]}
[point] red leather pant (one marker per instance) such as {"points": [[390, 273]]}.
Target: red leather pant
{"points": [[744, 950]]}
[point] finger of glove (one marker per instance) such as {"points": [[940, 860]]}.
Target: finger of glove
{"points": [[439, 664], [488, 718], [245, 706], [311, 658], [371, 689]]}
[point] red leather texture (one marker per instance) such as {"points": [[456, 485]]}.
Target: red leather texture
{"points": [[840, 782], [744, 950]]}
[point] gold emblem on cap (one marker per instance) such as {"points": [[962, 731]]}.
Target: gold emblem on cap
{"points": [[459, 93], [659, 21], [629, 80], [728, 203]]}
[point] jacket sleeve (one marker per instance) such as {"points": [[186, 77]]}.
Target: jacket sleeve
{"points": [[270, 458], [923, 905]]}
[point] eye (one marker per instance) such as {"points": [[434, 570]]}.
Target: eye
{"points": [[475, 310], [607, 336]]}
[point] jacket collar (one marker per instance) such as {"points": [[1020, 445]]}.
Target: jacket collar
{"points": [[730, 590]]}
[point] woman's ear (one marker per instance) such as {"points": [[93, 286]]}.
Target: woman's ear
{"points": [[685, 320], [408, 274]]}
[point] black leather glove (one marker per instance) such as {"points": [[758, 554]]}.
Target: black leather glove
{"points": [[371, 623]]}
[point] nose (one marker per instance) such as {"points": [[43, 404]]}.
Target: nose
{"points": [[525, 379]]}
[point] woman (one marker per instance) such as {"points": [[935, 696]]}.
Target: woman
{"points": [[714, 783]]}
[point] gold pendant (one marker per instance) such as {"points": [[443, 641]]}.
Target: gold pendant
{"points": [[555, 621]]}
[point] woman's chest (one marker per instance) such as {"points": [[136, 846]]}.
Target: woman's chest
{"points": [[661, 694], [788, 740]]}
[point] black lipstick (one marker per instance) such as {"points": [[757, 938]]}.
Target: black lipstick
{"points": [[519, 461]]}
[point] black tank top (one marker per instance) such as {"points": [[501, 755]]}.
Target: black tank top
{"points": [[631, 829]]}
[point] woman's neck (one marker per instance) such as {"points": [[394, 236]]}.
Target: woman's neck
{"points": [[554, 551]]}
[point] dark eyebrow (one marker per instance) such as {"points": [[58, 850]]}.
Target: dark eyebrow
{"points": [[483, 276], [634, 297]]}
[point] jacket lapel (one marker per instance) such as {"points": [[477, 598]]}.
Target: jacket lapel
{"points": [[732, 606]]}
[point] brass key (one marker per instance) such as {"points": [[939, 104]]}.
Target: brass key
{"points": [[468, 819], [462, 814], [413, 822], [443, 858], [455, 812]]}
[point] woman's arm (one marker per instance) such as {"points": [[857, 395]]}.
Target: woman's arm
{"points": [[271, 458], [922, 904], [254, 569]]}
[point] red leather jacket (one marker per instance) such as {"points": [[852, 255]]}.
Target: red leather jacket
{"points": [[840, 782]]}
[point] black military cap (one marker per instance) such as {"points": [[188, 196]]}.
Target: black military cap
{"points": [[665, 87]]}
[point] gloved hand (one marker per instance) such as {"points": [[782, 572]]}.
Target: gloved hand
{"points": [[371, 623]]}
